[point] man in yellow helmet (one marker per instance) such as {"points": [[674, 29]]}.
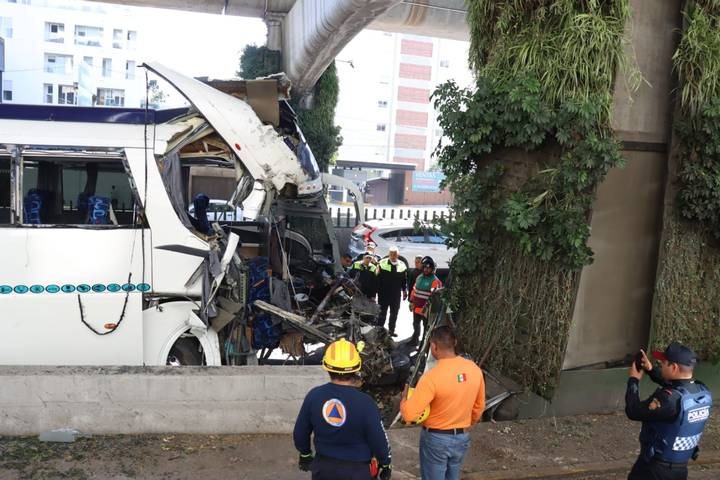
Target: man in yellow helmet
{"points": [[348, 431]]}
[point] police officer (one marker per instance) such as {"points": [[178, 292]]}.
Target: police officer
{"points": [[365, 271], [346, 423], [392, 282], [346, 261], [673, 417], [426, 283]]}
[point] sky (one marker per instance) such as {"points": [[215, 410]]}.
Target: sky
{"points": [[202, 44]]}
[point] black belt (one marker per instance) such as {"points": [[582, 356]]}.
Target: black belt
{"points": [[339, 461], [450, 431], [669, 465]]}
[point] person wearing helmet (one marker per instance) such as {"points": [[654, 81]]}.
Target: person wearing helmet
{"points": [[346, 423], [425, 284], [454, 391]]}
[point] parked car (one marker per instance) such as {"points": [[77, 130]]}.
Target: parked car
{"points": [[424, 240], [220, 211]]}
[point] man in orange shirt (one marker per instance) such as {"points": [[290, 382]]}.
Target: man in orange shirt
{"points": [[455, 391]]}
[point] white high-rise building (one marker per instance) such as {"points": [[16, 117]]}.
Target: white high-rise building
{"points": [[385, 109], [70, 53]]}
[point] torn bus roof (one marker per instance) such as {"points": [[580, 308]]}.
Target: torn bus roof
{"points": [[259, 148]]}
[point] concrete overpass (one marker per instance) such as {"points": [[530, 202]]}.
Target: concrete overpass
{"points": [[310, 33]]}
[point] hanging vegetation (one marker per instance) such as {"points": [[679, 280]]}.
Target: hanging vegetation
{"points": [[318, 122], [687, 302], [528, 147]]}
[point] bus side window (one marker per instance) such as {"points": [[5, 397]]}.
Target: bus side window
{"points": [[76, 191], [4, 190]]}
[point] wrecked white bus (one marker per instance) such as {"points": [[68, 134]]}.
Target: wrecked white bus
{"points": [[101, 263]]}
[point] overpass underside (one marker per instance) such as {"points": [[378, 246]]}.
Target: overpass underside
{"points": [[311, 33]]}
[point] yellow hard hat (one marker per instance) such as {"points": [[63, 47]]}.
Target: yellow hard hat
{"points": [[341, 357], [425, 413]]}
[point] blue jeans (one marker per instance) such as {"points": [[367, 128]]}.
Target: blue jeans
{"points": [[442, 455]]}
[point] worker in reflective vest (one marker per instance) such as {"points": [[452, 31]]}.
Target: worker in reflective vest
{"points": [[365, 273], [392, 283], [424, 286]]}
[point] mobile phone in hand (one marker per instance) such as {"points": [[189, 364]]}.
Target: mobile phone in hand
{"points": [[638, 361]]}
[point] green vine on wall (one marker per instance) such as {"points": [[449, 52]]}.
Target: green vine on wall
{"points": [[528, 146], [697, 63], [546, 211], [687, 298], [318, 122]]}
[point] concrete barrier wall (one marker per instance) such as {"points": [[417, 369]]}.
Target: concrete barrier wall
{"points": [[119, 400]]}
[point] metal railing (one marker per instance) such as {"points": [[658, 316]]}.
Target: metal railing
{"points": [[344, 217]]}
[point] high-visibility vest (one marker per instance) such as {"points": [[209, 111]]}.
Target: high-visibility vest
{"points": [[424, 286], [359, 266], [387, 266]]}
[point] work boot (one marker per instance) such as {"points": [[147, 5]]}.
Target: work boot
{"points": [[392, 333]]}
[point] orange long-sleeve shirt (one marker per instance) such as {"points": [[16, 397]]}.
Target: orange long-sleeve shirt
{"points": [[455, 391]]}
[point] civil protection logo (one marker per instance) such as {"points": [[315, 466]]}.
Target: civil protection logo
{"points": [[334, 412]]}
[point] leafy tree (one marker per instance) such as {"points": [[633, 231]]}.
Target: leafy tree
{"points": [[317, 122], [258, 62]]}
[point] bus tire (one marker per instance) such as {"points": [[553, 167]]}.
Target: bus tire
{"points": [[185, 351]]}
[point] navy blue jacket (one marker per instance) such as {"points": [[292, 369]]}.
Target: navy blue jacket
{"points": [[346, 424], [666, 432]]}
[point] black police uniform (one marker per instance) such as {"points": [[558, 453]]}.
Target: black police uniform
{"points": [[392, 282], [663, 406], [366, 276]]}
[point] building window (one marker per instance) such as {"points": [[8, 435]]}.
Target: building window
{"points": [[48, 88], [117, 38], [89, 36], [110, 97], [66, 95], [62, 64], [445, 63], [131, 39], [107, 67], [6, 30], [130, 70], [88, 61], [382, 103], [7, 90], [54, 32], [380, 127]]}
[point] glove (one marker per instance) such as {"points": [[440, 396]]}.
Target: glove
{"points": [[304, 462], [385, 472]]}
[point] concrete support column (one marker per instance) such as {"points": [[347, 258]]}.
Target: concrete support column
{"points": [[273, 21], [613, 306]]}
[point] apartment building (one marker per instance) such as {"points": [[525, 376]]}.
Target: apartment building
{"points": [[69, 53], [385, 109]]}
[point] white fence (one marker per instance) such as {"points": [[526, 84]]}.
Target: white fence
{"points": [[344, 217]]}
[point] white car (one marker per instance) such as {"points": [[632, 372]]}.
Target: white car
{"points": [[411, 241], [219, 211]]}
